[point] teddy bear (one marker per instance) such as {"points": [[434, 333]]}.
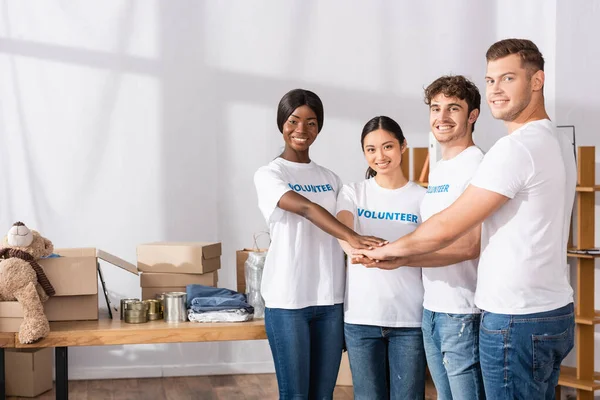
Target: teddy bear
{"points": [[24, 280]]}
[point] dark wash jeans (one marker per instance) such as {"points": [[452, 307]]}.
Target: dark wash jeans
{"points": [[307, 348], [521, 354]]}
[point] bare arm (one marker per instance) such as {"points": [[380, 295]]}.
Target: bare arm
{"points": [[346, 218], [465, 248], [445, 227], [298, 204]]}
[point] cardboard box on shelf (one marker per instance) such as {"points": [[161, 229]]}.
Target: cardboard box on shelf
{"points": [[10, 324], [240, 259], [159, 279], [74, 278], [73, 273], [179, 257], [57, 308], [28, 371]]}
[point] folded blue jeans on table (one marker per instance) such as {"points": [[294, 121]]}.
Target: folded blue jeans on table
{"points": [[202, 298]]}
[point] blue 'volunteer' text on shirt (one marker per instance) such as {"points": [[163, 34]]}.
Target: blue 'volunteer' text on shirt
{"points": [[311, 188], [391, 216], [438, 189]]}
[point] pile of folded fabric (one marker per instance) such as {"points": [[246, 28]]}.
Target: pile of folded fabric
{"points": [[210, 304]]}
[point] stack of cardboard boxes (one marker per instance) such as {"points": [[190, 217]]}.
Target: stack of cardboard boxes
{"points": [[165, 267], [74, 278], [171, 266]]}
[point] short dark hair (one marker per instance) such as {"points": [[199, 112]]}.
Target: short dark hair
{"points": [[531, 57], [385, 123], [298, 98], [455, 86]]}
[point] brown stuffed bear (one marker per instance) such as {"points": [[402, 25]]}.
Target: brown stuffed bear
{"points": [[24, 280]]}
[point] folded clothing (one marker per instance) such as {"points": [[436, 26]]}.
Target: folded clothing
{"points": [[237, 315], [202, 298]]}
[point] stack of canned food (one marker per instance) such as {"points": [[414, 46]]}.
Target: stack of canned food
{"points": [[171, 305], [134, 311]]}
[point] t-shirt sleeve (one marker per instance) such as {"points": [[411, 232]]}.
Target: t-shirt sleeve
{"points": [[506, 168], [470, 171], [420, 196], [346, 200], [270, 187], [339, 183]]}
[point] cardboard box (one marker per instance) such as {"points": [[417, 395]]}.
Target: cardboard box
{"points": [[344, 375], [10, 324], [74, 273], [179, 257], [240, 259], [57, 308], [151, 292], [74, 278], [157, 279], [28, 371]]}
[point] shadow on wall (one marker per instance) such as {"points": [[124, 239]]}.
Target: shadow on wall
{"points": [[207, 168]]}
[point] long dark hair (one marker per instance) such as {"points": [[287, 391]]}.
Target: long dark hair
{"points": [[298, 98], [385, 123]]}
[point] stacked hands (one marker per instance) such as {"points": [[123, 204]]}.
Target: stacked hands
{"points": [[372, 252]]}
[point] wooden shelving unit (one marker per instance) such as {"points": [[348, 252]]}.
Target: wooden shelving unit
{"points": [[583, 377]]}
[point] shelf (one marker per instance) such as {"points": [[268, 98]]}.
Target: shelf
{"points": [[574, 255], [595, 188], [589, 256], [587, 320], [568, 378]]}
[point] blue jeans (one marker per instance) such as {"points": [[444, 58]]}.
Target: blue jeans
{"points": [[521, 354], [452, 349], [307, 348], [386, 363]]}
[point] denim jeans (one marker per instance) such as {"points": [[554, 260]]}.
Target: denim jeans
{"points": [[386, 363], [307, 348], [521, 354], [452, 349]]}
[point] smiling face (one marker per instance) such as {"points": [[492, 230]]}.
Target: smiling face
{"points": [[508, 87], [449, 118], [383, 152], [300, 129]]}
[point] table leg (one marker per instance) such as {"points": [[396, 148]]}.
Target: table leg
{"points": [[2, 376], [61, 359]]}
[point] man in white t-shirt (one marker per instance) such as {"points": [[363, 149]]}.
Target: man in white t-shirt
{"points": [[450, 317], [523, 194]]}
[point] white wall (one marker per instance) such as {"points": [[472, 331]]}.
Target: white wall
{"points": [[128, 122], [577, 89]]}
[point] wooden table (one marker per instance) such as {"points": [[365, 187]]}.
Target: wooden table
{"points": [[7, 340], [114, 332]]}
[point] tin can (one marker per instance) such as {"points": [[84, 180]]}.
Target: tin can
{"points": [[123, 306], [161, 298], [137, 306], [154, 309], [175, 307], [136, 316]]}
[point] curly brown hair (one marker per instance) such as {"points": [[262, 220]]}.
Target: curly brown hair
{"points": [[455, 86]]}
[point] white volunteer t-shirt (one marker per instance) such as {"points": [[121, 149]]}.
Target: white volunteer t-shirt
{"points": [[304, 265], [523, 266], [450, 289], [373, 296]]}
